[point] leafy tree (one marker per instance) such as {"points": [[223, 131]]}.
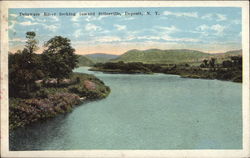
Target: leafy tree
{"points": [[31, 43], [24, 68], [59, 58]]}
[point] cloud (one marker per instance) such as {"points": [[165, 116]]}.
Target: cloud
{"points": [[219, 29], [12, 25], [105, 39], [77, 33], [149, 37], [50, 27], [165, 29], [120, 27], [221, 17], [40, 20], [216, 17], [173, 39], [29, 17], [130, 37], [207, 17], [28, 23], [87, 18], [236, 22], [185, 40], [95, 18], [75, 18], [164, 37], [92, 27], [54, 18], [181, 14], [17, 40], [76, 24], [202, 27]]}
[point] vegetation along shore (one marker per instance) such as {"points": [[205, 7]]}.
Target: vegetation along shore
{"points": [[186, 63], [42, 86]]}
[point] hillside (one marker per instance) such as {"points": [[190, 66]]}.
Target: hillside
{"points": [[162, 56], [101, 57], [84, 61], [227, 55], [171, 56], [232, 52]]}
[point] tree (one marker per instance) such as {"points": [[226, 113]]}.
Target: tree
{"points": [[205, 61], [227, 63], [212, 62], [24, 68], [237, 60], [59, 58], [31, 43]]}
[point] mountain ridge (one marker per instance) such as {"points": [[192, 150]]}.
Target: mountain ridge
{"points": [[171, 56], [100, 57]]}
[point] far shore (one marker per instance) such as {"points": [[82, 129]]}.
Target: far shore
{"points": [[233, 73]]}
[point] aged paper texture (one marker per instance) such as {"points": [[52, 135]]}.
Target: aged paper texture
{"points": [[125, 79]]}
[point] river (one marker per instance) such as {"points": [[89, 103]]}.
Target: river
{"points": [[145, 112]]}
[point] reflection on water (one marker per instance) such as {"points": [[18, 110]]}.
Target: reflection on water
{"points": [[145, 112]]}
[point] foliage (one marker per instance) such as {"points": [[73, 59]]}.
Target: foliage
{"points": [[59, 58], [157, 56], [50, 101], [227, 70], [100, 57], [31, 99], [133, 67], [173, 56], [25, 67], [31, 43]]}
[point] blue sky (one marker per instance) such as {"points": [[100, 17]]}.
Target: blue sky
{"points": [[209, 29]]}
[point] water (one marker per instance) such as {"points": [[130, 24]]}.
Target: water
{"points": [[145, 112]]}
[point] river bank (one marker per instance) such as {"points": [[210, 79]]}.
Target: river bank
{"points": [[233, 73], [53, 99], [144, 112]]}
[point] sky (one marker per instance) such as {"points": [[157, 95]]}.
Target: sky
{"points": [[208, 29]]}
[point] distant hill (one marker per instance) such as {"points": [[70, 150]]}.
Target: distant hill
{"points": [[84, 61], [162, 56], [233, 52], [227, 55], [101, 57], [171, 56]]}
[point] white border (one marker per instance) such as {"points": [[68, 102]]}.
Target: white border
{"points": [[123, 153]]}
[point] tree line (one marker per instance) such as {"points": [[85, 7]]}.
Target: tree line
{"points": [[26, 66], [233, 62]]}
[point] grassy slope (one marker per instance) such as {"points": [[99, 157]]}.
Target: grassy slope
{"points": [[175, 56], [100, 57], [84, 61], [162, 56]]}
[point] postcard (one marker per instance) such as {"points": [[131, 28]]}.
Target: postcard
{"points": [[125, 79]]}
